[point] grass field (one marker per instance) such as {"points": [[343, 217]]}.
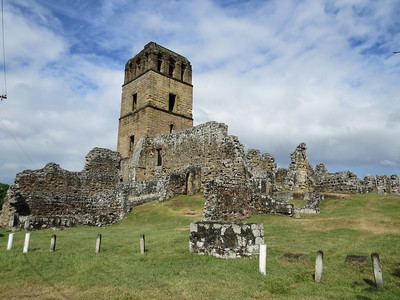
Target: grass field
{"points": [[357, 224]]}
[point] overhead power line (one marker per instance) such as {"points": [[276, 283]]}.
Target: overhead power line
{"points": [[4, 94]]}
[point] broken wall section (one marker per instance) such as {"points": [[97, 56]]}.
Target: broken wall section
{"points": [[53, 196], [226, 240]]}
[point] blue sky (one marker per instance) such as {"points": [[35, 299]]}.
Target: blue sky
{"points": [[276, 72]]}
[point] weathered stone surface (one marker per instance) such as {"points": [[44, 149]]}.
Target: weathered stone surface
{"points": [[226, 240], [299, 175], [228, 198], [53, 196], [157, 96], [339, 182]]}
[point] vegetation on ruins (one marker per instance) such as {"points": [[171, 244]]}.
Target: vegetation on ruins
{"points": [[3, 191], [353, 224]]}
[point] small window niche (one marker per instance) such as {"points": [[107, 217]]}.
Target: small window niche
{"points": [[134, 102], [171, 128], [159, 62], [131, 143], [171, 102], [171, 68], [159, 157]]}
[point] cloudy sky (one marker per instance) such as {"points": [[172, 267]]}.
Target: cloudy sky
{"points": [[276, 72]]}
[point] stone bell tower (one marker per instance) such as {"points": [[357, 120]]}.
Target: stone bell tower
{"points": [[157, 96]]}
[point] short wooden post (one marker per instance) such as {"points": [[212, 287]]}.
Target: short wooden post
{"points": [[98, 243], [263, 259], [142, 244], [10, 241], [376, 265], [26, 242], [53, 243], [319, 266]]}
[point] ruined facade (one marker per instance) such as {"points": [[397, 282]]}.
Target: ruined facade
{"points": [[160, 154], [300, 176], [52, 196]]}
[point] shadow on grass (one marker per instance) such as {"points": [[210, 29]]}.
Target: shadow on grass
{"points": [[358, 297], [62, 296], [369, 282], [396, 273]]}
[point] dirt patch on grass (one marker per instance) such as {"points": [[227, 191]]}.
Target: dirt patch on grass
{"points": [[378, 226]]}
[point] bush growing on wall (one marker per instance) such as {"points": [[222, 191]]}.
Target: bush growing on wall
{"points": [[3, 192]]}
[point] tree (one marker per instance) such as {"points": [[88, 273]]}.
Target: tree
{"points": [[3, 192]]}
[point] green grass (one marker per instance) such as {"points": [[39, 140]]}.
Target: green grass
{"points": [[359, 225]]}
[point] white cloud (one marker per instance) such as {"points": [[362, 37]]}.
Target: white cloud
{"points": [[277, 72]]}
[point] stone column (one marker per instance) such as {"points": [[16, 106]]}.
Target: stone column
{"points": [[164, 65], [152, 61], [177, 70], [187, 75]]}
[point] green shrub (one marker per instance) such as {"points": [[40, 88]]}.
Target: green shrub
{"points": [[3, 192]]}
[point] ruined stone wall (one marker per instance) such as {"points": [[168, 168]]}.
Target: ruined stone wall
{"points": [[226, 240], [53, 196], [300, 177], [339, 182], [207, 147], [300, 173], [382, 184], [228, 198]]}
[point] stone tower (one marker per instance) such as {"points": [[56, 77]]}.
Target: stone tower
{"points": [[157, 96]]}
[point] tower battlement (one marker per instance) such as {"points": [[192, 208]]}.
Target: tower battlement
{"points": [[157, 96]]}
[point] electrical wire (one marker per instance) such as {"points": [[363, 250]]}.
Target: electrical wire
{"points": [[4, 95]]}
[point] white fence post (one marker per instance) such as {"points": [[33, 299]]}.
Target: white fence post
{"points": [[26, 242], [10, 241], [319, 266], [142, 244], [376, 265], [98, 243], [263, 259], [53, 243]]}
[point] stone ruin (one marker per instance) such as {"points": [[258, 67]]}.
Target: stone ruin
{"points": [[54, 197], [172, 159], [200, 159], [226, 239]]}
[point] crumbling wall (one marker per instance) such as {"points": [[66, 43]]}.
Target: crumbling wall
{"points": [[226, 240], [228, 198], [53, 196], [207, 146], [185, 182], [299, 176], [339, 182], [382, 184]]}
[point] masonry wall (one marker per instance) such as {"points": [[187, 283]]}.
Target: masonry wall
{"points": [[53, 196], [207, 147], [226, 240], [157, 96]]}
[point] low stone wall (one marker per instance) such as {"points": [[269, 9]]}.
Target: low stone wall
{"points": [[226, 239]]}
